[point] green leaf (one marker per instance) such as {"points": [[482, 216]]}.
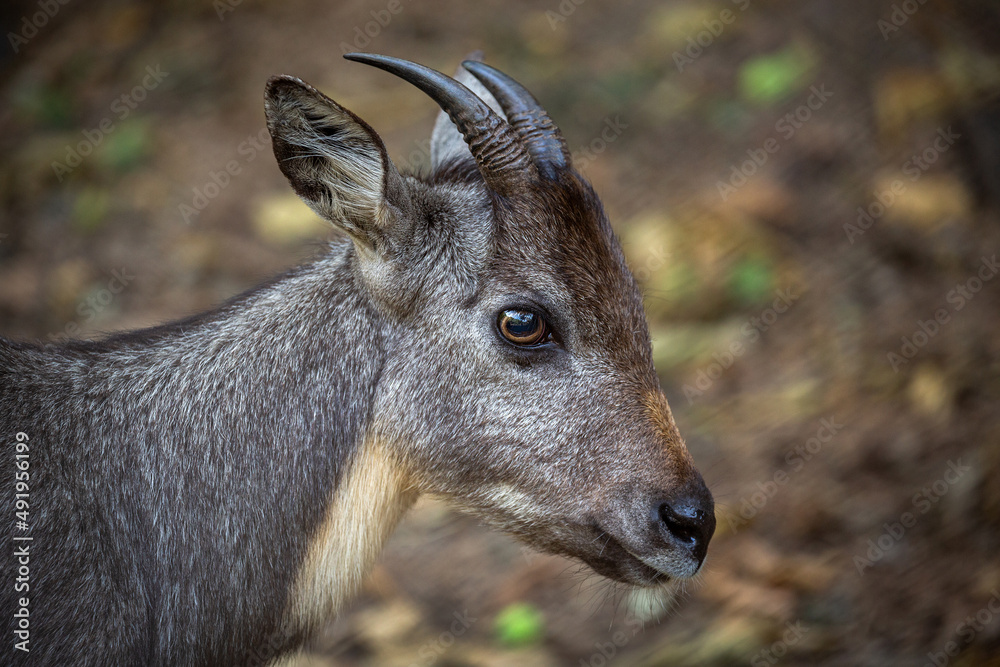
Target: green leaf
{"points": [[91, 208], [751, 281], [767, 79], [47, 105], [519, 624], [126, 145]]}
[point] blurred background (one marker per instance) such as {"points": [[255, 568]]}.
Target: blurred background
{"points": [[808, 192]]}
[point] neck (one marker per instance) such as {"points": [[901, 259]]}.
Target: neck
{"points": [[362, 512], [234, 446]]}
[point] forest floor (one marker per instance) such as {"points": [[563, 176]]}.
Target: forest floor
{"points": [[808, 192]]}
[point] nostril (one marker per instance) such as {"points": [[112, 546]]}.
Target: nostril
{"points": [[684, 523]]}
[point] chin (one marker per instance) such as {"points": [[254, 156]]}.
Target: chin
{"points": [[617, 563]]}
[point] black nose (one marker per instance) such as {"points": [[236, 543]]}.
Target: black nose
{"points": [[687, 522]]}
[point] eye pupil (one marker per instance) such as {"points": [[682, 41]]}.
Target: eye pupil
{"points": [[520, 323], [523, 327]]}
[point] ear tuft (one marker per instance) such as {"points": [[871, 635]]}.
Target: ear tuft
{"points": [[332, 158]]}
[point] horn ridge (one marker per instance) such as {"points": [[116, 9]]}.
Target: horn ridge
{"points": [[497, 148], [542, 138]]}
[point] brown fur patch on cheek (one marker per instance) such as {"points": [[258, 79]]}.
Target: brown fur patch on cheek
{"points": [[361, 514]]}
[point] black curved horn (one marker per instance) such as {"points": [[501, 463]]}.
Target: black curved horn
{"points": [[496, 147], [543, 139]]}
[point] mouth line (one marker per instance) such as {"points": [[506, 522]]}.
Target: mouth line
{"points": [[650, 574]]}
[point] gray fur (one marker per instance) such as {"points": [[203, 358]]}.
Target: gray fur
{"points": [[179, 473]]}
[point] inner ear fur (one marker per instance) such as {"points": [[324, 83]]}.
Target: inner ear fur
{"points": [[335, 161]]}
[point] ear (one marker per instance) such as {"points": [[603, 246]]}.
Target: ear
{"points": [[336, 163], [447, 143]]}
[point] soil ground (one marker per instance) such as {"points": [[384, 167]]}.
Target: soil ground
{"points": [[808, 192]]}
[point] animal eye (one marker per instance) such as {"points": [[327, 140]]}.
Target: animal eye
{"points": [[523, 328]]}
